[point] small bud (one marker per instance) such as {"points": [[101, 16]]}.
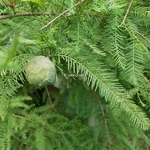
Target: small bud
{"points": [[12, 5]]}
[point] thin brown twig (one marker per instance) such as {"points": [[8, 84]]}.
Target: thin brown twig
{"points": [[105, 120], [104, 117], [50, 99], [24, 14], [127, 11], [44, 126], [143, 36], [9, 16], [20, 140], [22, 117], [17, 139], [63, 13], [143, 77]]}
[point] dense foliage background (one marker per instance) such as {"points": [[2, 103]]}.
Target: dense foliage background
{"points": [[101, 97]]}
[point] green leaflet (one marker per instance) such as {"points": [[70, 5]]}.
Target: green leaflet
{"points": [[102, 97]]}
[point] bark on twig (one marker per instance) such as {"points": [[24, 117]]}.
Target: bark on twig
{"points": [[63, 13], [23, 14], [144, 37], [127, 12]]}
